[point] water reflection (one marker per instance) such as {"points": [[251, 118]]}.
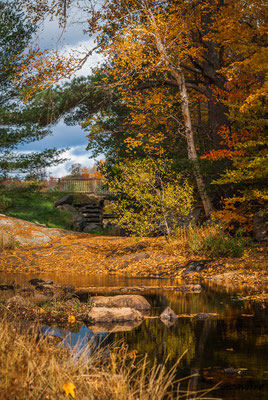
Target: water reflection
{"points": [[231, 348]]}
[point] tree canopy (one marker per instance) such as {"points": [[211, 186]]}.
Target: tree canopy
{"points": [[184, 78], [18, 123]]}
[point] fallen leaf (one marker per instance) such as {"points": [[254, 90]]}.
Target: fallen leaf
{"points": [[69, 389]]}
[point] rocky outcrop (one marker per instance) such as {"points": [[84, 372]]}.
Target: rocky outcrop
{"points": [[134, 301], [26, 233], [104, 315]]}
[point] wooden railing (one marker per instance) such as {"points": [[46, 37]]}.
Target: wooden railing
{"points": [[82, 185]]}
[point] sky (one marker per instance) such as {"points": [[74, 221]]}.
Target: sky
{"points": [[63, 136]]}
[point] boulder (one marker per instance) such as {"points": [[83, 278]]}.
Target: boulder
{"points": [[131, 301], [78, 222], [168, 314], [64, 200], [104, 315], [90, 227]]}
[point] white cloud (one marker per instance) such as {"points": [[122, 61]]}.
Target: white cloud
{"points": [[76, 154]]}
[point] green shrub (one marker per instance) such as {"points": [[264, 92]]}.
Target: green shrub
{"points": [[23, 186], [5, 202], [216, 243], [150, 198]]}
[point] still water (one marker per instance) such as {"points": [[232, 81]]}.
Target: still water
{"points": [[236, 338]]}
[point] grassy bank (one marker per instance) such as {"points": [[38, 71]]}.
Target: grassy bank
{"points": [[35, 207], [34, 368]]}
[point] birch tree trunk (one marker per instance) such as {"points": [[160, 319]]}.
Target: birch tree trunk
{"points": [[192, 154], [178, 75]]}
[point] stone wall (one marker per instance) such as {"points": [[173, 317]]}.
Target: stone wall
{"points": [[87, 211]]}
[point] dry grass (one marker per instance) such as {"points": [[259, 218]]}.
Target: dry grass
{"points": [[31, 368], [7, 241], [209, 241]]}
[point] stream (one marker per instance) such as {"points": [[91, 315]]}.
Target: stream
{"points": [[230, 348]]}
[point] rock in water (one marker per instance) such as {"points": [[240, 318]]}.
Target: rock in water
{"points": [[37, 282], [196, 266], [204, 316], [168, 314], [132, 301], [107, 315]]}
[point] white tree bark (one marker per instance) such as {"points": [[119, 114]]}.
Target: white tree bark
{"points": [[178, 75]]}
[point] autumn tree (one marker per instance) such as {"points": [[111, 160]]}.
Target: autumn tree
{"points": [[242, 27], [141, 23], [211, 53]]}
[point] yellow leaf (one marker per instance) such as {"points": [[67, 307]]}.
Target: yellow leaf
{"points": [[69, 389], [71, 319]]}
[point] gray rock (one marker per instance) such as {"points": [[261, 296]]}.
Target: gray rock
{"points": [[196, 266], [231, 370], [107, 315], [64, 200], [260, 221], [91, 227], [168, 314], [204, 316], [78, 222], [131, 301], [37, 281]]}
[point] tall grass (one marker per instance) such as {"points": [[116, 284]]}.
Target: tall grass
{"points": [[32, 368], [211, 241]]}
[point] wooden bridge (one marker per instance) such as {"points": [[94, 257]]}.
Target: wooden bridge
{"points": [[83, 185]]}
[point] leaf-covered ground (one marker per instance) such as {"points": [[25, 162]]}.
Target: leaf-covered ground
{"points": [[91, 254]]}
